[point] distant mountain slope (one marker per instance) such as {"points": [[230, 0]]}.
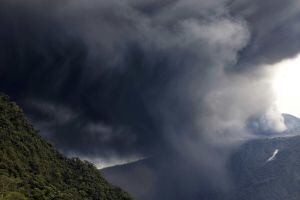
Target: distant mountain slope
{"points": [[262, 169], [292, 124], [30, 168], [138, 178], [267, 169]]}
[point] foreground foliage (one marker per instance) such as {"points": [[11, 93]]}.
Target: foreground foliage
{"points": [[30, 168]]}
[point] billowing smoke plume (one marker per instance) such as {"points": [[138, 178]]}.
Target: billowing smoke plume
{"points": [[115, 78]]}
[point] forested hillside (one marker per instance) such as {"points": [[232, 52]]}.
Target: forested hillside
{"points": [[30, 168]]}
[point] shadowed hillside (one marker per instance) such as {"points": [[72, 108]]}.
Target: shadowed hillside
{"points": [[30, 168], [267, 169], [262, 169]]}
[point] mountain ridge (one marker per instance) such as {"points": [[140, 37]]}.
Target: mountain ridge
{"points": [[30, 168], [260, 169]]}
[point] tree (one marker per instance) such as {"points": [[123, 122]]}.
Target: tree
{"points": [[14, 196]]}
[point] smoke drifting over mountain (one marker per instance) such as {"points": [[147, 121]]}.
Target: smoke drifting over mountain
{"points": [[120, 78]]}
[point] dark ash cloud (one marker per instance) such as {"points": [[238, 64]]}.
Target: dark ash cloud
{"points": [[275, 30], [122, 78]]}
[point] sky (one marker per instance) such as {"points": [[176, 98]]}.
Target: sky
{"points": [[126, 80], [285, 85]]}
